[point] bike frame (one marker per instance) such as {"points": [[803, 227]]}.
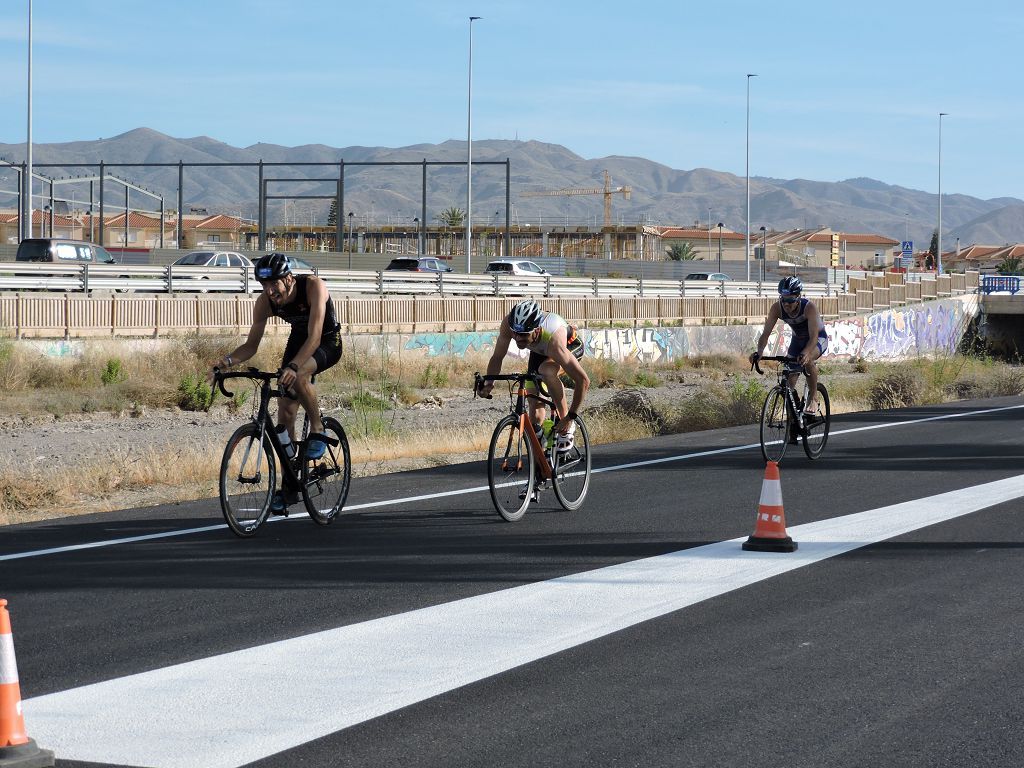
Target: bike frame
{"points": [[289, 478], [789, 391], [519, 409]]}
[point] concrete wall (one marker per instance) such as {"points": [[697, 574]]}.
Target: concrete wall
{"points": [[934, 328]]}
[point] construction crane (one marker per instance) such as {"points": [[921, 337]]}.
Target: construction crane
{"points": [[608, 191]]}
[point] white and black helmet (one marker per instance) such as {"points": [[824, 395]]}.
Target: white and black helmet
{"points": [[525, 316]]}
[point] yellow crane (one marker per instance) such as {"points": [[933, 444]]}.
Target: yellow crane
{"points": [[608, 191]]}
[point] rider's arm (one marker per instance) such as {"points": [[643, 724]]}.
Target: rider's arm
{"points": [[500, 349], [769, 326], [316, 295], [559, 352], [260, 315]]}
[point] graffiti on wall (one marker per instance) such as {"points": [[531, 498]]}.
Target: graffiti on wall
{"points": [[645, 345], [458, 344]]}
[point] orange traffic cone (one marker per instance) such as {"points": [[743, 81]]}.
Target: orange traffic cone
{"points": [[16, 748], [770, 531]]}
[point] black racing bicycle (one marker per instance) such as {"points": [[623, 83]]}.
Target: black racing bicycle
{"points": [[783, 421], [248, 471], [520, 462]]}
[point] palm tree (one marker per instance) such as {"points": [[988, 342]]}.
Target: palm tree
{"points": [[682, 252], [452, 217], [1010, 266]]}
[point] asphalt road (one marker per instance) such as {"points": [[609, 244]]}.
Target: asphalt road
{"points": [[634, 632]]}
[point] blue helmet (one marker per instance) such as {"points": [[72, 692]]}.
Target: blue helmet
{"points": [[273, 266], [791, 286]]}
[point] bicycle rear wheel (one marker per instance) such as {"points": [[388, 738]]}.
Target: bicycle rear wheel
{"points": [[325, 481], [510, 469], [775, 425], [816, 431], [571, 469], [248, 476]]}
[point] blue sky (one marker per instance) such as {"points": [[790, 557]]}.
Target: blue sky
{"points": [[844, 91]]}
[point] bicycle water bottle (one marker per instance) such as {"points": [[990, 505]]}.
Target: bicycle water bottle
{"points": [[549, 439], [286, 441]]}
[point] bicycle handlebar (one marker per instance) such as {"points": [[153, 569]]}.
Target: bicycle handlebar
{"points": [[252, 373], [479, 381], [785, 359]]}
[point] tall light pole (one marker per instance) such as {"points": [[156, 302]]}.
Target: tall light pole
{"points": [[27, 228], [719, 246], [764, 252], [419, 236], [350, 216], [709, 232], [746, 237], [469, 154], [938, 246]]}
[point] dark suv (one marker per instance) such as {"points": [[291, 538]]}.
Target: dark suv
{"points": [[422, 264], [61, 251]]}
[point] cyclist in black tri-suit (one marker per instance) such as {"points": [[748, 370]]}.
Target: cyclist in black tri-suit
{"points": [[810, 340], [313, 346]]}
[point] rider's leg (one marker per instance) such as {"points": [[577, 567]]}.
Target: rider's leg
{"points": [[811, 371], [549, 370], [305, 391]]}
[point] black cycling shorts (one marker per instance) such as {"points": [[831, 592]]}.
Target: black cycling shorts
{"points": [[326, 355]]}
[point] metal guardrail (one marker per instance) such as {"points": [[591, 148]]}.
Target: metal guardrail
{"points": [[84, 278]]}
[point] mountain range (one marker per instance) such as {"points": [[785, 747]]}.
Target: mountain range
{"points": [[391, 194]]}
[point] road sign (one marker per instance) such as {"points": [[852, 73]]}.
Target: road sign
{"points": [[907, 246]]}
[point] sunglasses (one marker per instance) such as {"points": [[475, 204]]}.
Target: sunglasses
{"points": [[789, 299]]}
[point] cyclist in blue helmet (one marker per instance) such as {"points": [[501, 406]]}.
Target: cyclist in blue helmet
{"points": [[313, 346], [809, 340]]}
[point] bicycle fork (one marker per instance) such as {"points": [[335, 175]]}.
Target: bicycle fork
{"points": [[254, 480]]}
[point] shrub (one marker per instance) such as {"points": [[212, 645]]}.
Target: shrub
{"points": [[898, 387], [113, 372], [196, 394]]}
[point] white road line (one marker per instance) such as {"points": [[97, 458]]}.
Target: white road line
{"points": [[290, 692], [476, 489]]}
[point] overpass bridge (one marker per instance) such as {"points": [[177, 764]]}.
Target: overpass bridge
{"points": [[1001, 322]]}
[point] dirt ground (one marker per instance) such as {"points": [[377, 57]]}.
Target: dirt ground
{"points": [[43, 446]]}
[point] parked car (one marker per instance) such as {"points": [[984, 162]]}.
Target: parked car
{"points": [[708, 276], [212, 259], [514, 267], [421, 264], [300, 264], [209, 259], [62, 251]]}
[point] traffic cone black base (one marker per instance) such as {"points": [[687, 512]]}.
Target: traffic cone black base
{"points": [[26, 755], [761, 544]]}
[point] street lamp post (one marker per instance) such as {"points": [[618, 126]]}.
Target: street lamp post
{"points": [[419, 239], [26, 229], [719, 246], [469, 154], [350, 216], [764, 252], [746, 237], [709, 232], [938, 245]]}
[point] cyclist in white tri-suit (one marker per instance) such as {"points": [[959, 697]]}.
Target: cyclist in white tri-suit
{"points": [[554, 345]]}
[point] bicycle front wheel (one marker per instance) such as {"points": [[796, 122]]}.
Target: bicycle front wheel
{"points": [[816, 428], [775, 425], [571, 469], [510, 469], [248, 476], [325, 481]]}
